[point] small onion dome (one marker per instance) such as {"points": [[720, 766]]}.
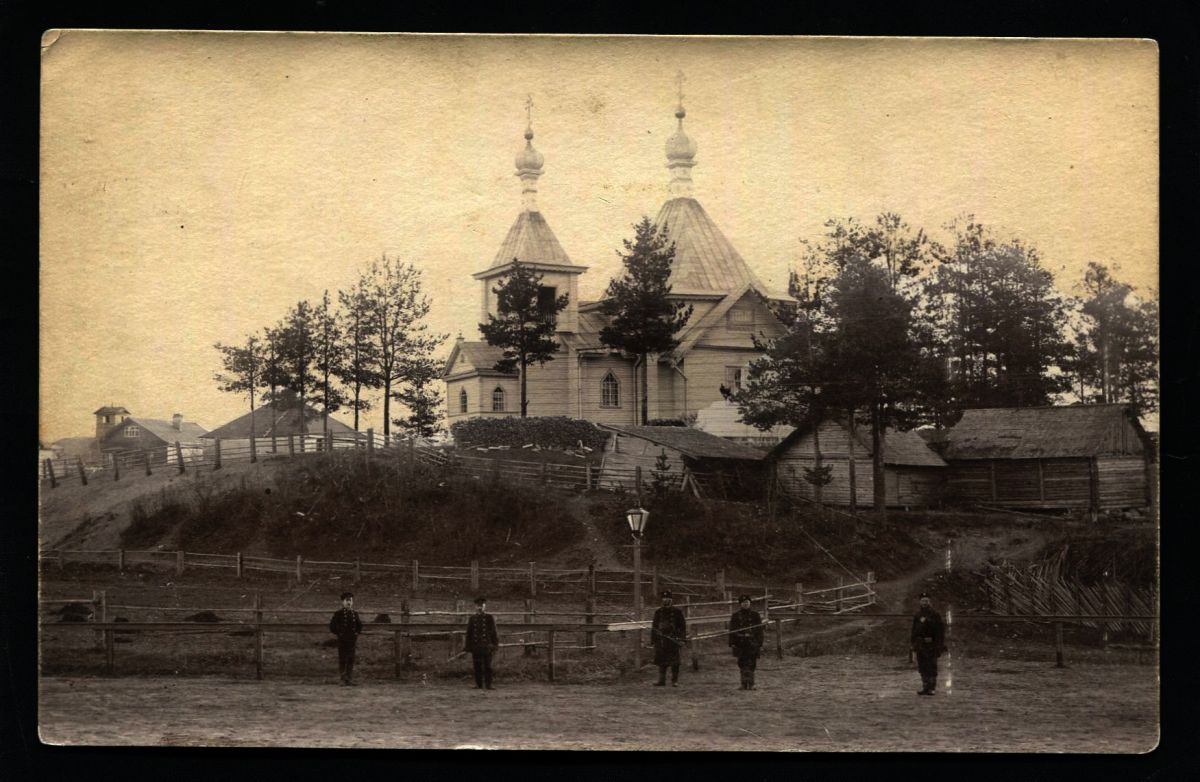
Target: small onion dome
{"points": [[529, 159], [680, 148]]}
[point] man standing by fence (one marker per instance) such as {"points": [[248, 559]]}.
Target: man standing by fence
{"points": [[746, 639], [482, 641], [668, 633], [346, 625], [928, 641]]}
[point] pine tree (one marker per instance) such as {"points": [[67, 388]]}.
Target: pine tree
{"points": [[243, 370], [358, 370], [524, 324], [643, 320]]}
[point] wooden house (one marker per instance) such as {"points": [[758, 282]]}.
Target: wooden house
{"points": [[698, 461], [913, 473], [275, 420], [155, 436], [1080, 456]]}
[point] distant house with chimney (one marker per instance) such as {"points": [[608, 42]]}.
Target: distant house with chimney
{"points": [[280, 420], [153, 435]]}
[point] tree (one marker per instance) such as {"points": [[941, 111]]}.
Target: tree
{"points": [[394, 311], [358, 371], [422, 397], [524, 324], [662, 479], [329, 360], [296, 349], [995, 309], [850, 346], [643, 319], [1116, 350], [243, 370]]}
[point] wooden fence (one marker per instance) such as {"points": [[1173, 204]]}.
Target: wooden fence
{"points": [[1032, 591], [847, 595]]}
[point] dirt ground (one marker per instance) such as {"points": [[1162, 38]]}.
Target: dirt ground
{"points": [[863, 703]]}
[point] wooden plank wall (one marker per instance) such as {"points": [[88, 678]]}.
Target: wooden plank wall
{"points": [[1122, 481]]}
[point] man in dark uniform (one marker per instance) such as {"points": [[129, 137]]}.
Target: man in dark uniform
{"points": [[482, 641], [668, 633], [746, 639], [928, 641], [346, 625]]}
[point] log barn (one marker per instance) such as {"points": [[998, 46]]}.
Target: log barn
{"points": [[913, 473], [1096, 457]]}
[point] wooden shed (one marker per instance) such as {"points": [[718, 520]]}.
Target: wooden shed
{"points": [[1080, 456], [703, 463], [913, 473]]}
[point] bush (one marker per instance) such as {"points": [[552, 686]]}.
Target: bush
{"points": [[544, 432], [667, 422]]}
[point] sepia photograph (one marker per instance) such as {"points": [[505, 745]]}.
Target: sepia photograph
{"points": [[598, 392]]}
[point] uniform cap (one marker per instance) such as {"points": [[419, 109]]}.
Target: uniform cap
{"points": [[743, 597], [480, 600], [924, 595], [346, 595], [667, 593]]}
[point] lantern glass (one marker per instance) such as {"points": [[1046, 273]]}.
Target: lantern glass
{"points": [[637, 520]]}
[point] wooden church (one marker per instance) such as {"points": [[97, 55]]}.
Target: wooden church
{"points": [[588, 380]]}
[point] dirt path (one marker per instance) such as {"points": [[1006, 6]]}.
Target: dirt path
{"points": [[814, 704]]}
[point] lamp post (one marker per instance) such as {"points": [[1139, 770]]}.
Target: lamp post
{"points": [[637, 525]]}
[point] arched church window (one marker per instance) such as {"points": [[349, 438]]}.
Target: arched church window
{"points": [[498, 400], [610, 391], [462, 400]]}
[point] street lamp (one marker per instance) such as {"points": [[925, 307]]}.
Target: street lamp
{"points": [[637, 525]]}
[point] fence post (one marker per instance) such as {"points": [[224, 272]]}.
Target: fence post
{"points": [[587, 476], [370, 442], [870, 587], [274, 444], [179, 457], [696, 650], [116, 470], [258, 636], [591, 578], [397, 654], [121, 560], [357, 571], [550, 654], [841, 580], [654, 580], [299, 572], [179, 562], [799, 598], [589, 617], [721, 582], [82, 474], [217, 454], [779, 638], [238, 564], [1058, 645], [766, 603], [406, 642], [146, 459], [328, 441], [533, 579], [416, 576], [107, 634], [474, 575], [527, 650], [53, 478], [253, 451], [302, 438], [452, 636], [291, 445]]}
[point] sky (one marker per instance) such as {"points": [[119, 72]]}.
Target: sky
{"points": [[194, 186]]}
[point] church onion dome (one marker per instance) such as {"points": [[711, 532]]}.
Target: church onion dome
{"points": [[529, 160], [680, 148]]}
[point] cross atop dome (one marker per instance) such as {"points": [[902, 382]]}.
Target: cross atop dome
{"points": [[529, 163], [681, 151]]}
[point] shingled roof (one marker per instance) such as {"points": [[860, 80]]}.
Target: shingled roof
{"points": [[705, 261], [902, 449], [271, 420], [1039, 432], [690, 442], [530, 240], [480, 355]]}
